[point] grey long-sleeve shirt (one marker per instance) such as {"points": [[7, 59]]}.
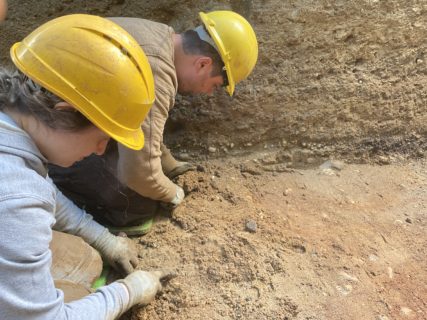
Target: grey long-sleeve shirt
{"points": [[30, 206]]}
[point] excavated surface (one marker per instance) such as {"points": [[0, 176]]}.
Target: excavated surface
{"points": [[264, 233], [318, 244]]}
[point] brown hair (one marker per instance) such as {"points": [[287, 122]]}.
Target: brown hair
{"points": [[21, 94], [192, 44]]}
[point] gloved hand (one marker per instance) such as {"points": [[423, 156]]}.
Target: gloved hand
{"points": [[119, 252], [143, 286], [178, 197]]}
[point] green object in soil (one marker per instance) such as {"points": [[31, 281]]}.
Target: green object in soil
{"points": [[138, 230], [102, 280]]}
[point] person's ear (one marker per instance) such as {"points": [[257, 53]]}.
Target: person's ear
{"points": [[203, 64], [64, 106]]}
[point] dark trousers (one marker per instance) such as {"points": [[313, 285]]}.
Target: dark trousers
{"points": [[92, 184]]}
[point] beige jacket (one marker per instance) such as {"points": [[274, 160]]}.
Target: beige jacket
{"points": [[142, 170]]}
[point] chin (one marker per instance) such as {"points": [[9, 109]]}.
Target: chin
{"points": [[63, 164], [185, 93]]}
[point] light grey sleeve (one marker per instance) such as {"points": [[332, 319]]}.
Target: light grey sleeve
{"points": [[27, 290], [73, 220]]}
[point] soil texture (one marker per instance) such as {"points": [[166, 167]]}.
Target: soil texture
{"points": [[338, 241], [273, 228]]}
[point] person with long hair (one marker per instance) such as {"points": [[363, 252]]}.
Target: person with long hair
{"points": [[79, 81]]}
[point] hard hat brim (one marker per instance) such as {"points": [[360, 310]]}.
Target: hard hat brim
{"points": [[222, 52]]}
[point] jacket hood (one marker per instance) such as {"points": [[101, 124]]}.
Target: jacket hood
{"points": [[16, 142]]}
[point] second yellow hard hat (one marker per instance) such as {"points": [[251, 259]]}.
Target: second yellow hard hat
{"points": [[235, 41]]}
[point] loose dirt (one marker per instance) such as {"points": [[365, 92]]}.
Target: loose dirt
{"points": [[264, 233], [318, 243]]}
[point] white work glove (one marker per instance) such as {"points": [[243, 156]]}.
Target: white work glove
{"points": [[143, 286], [178, 197], [118, 252]]}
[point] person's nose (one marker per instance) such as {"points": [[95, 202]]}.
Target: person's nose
{"points": [[215, 90], [212, 90]]}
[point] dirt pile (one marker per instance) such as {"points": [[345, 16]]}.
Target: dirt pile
{"points": [[335, 242]]}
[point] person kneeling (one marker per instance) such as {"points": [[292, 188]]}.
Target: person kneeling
{"points": [[76, 77]]}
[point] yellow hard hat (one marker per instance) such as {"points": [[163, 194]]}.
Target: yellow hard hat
{"points": [[97, 67], [235, 41]]}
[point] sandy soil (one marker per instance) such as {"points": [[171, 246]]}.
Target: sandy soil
{"points": [[264, 233], [333, 77], [339, 242]]}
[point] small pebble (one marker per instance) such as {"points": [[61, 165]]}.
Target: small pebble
{"points": [[251, 226], [390, 272], [332, 164], [184, 156], [404, 311]]}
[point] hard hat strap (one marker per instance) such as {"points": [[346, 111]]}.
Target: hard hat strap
{"points": [[203, 35]]}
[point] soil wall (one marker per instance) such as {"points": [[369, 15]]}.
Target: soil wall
{"points": [[334, 78]]}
